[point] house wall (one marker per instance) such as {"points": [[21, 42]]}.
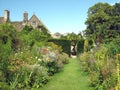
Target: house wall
{"points": [[34, 21]]}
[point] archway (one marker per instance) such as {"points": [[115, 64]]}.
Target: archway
{"points": [[74, 50]]}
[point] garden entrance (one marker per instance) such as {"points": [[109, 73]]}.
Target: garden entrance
{"points": [[73, 50]]}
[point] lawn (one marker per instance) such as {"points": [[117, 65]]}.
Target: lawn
{"points": [[70, 78]]}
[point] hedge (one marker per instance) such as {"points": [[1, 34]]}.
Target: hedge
{"points": [[65, 44], [80, 47]]}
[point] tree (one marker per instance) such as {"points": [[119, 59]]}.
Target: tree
{"points": [[102, 21], [74, 38], [8, 35], [31, 36]]}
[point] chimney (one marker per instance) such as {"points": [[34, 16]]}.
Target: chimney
{"points": [[6, 15], [25, 18]]}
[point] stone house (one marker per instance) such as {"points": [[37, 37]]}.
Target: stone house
{"points": [[5, 18], [34, 21]]}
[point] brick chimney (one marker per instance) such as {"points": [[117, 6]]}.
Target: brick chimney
{"points": [[25, 18]]}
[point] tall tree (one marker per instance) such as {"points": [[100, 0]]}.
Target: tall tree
{"points": [[7, 37], [74, 38], [101, 20]]}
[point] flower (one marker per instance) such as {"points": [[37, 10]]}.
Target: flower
{"points": [[44, 51], [39, 59], [36, 57]]}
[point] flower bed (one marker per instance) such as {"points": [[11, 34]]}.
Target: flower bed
{"points": [[101, 68]]}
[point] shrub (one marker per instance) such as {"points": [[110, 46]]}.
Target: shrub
{"points": [[80, 47], [101, 68], [26, 61], [4, 86], [65, 44], [114, 47], [64, 58], [7, 35], [29, 77], [53, 58], [50, 59]]}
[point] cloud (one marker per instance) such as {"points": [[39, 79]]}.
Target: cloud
{"points": [[113, 3]]}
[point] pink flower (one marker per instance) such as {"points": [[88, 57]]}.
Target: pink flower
{"points": [[44, 51]]}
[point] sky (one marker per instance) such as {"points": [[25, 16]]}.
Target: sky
{"points": [[63, 16]]}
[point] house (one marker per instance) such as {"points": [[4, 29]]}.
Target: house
{"points": [[57, 35], [34, 21], [5, 18]]}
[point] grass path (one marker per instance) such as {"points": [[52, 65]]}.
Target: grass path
{"points": [[70, 78]]}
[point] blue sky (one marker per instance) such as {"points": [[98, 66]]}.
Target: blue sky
{"points": [[58, 15]]}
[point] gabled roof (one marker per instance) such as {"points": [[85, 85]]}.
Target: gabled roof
{"points": [[20, 24], [35, 18]]}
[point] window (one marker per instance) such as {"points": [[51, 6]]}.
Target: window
{"points": [[34, 23]]}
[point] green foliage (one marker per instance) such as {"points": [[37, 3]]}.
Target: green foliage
{"points": [[4, 86], [101, 68], [64, 58], [88, 44], [27, 29], [74, 38], [54, 58], [103, 27], [7, 35], [71, 78], [65, 44], [7, 30], [45, 31], [55, 47], [103, 22], [30, 36], [80, 46], [52, 67], [29, 77], [26, 58], [5, 52], [114, 47]]}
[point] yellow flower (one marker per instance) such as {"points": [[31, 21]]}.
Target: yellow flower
{"points": [[47, 59]]}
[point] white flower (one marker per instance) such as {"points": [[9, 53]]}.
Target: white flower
{"points": [[36, 57], [39, 59]]}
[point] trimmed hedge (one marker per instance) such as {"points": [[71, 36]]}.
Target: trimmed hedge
{"points": [[65, 44], [80, 47]]}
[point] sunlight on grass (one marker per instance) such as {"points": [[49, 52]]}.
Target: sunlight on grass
{"points": [[70, 78]]}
